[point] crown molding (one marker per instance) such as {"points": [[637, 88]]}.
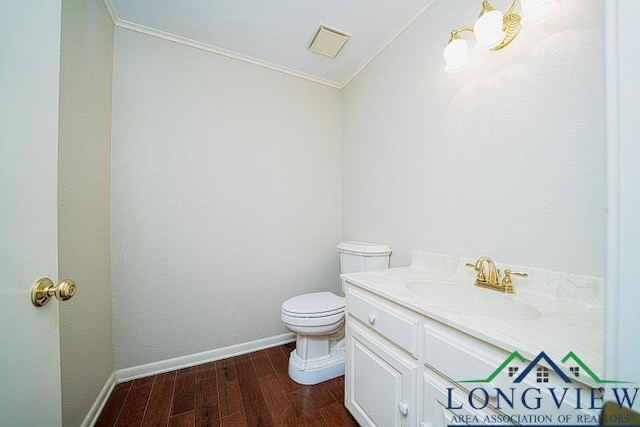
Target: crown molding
{"points": [[118, 22], [222, 52], [121, 23], [401, 29], [111, 11]]}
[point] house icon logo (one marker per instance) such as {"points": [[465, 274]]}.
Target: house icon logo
{"points": [[543, 365], [528, 386]]}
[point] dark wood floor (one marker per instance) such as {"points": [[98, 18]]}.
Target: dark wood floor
{"points": [[248, 390]]}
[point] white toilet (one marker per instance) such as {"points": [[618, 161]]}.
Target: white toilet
{"points": [[318, 318]]}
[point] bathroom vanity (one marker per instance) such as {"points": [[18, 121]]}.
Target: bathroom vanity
{"points": [[425, 347]]}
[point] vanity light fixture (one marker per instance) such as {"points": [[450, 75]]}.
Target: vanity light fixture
{"points": [[494, 30]]}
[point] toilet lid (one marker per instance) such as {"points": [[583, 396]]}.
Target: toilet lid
{"points": [[316, 304]]}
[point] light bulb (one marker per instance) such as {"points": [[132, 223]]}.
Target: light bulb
{"points": [[456, 55], [535, 11], [488, 27]]}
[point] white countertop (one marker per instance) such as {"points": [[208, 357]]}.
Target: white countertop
{"points": [[564, 326]]}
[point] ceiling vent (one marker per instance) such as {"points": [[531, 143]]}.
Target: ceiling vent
{"points": [[328, 41]]}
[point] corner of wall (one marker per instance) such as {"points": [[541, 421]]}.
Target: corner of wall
{"points": [[86, 62]]}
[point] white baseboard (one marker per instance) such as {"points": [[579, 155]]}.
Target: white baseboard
{"points": [[101, 400], [189, 360]]}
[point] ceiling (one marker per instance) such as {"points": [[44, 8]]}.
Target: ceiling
{"points": [[275, 33]]}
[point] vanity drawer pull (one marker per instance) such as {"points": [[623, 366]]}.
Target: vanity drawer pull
{"points": [[403, 408], [372, 319]]}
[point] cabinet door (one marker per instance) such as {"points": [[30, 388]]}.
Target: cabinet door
{"points": [[380, 380], [435, 412]]}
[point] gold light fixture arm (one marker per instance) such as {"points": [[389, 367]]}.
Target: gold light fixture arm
{"points": [[454, 33], [487, 29], [512, 7], [511, 25]]}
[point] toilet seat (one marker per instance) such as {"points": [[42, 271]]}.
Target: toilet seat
{"points": [[314, 313], [314, 305]]}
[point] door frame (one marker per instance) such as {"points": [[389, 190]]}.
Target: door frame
{"points": [[623, 227]]}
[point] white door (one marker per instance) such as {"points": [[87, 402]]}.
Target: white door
{"points": [[29, 81]]}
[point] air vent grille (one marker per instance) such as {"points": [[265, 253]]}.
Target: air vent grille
{"points": [[328, 41]]}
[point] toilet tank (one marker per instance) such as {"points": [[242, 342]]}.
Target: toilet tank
{"points": [[363, 256]]}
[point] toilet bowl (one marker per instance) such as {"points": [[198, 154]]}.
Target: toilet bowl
{"points": [[317, 318]]}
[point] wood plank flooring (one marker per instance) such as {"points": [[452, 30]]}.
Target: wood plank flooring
{"points": [[249, 390]]}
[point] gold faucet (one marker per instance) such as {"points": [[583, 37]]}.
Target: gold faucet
{"points": [[492, 279]]}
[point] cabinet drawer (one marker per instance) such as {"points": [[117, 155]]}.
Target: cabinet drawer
{"points": [[438, 394], [459, 356], [467, 361], [395, 323]]}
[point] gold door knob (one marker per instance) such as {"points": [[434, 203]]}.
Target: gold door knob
{"points": [[43, 289]]}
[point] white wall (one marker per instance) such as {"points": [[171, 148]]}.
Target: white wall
{"points": [[84, 203], [225, 198], [505, 159]]}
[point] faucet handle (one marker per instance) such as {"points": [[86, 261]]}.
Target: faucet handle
{"points": [[479, 272], [506, 281], [508, 272]]}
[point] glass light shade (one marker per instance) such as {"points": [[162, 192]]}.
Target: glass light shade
{"points": [[488, 30], [535, 11], [456, 55]]}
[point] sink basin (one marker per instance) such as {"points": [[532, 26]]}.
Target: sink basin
{"points": [[472, 300]]}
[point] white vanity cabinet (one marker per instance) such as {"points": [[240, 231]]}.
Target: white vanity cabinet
{"points": [[404, 368], [382, 347]]}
